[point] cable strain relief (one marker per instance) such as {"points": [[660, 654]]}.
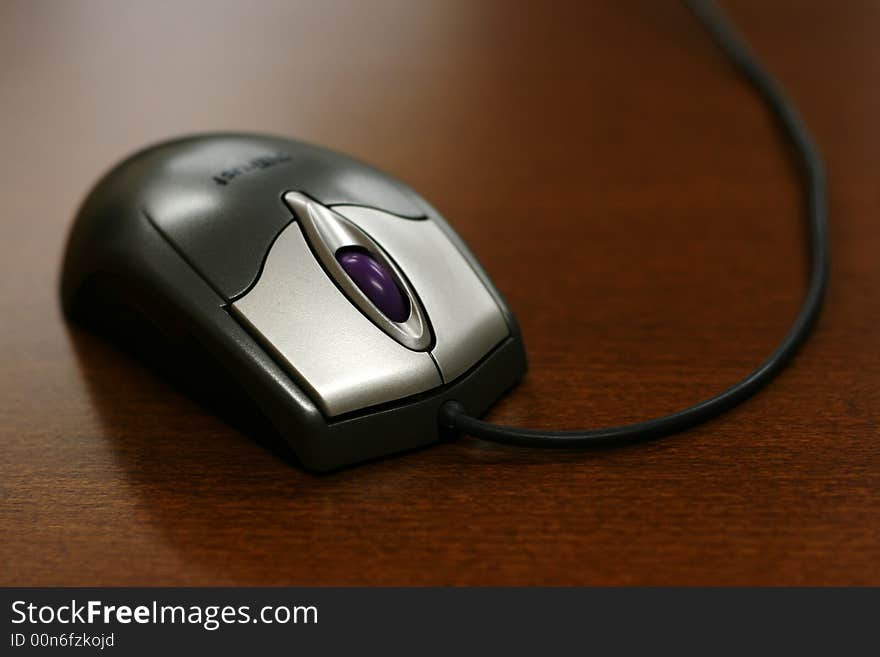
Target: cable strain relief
{"points": [[446, 418]]}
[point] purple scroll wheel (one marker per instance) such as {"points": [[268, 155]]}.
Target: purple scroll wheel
{"points": [[375, 281]]}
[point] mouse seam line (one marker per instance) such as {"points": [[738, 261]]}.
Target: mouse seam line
{"points": [[443, 381], [345, 204], [238, 295], [182, 255]]}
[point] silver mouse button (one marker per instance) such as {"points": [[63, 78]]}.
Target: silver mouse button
{"points": [[338, 355]]}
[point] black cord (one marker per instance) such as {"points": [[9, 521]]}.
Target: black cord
{"points": [[453, 415]]}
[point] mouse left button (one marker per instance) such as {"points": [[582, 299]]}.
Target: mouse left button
{"points": [[342, 359]]}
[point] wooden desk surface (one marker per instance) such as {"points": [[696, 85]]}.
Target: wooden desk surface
{"points": [[626, 192]]}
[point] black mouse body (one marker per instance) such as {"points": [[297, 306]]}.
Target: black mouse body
{"points": [[335, 298]]}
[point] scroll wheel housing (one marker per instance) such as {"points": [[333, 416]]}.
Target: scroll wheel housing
{"points": [[375, 281]]}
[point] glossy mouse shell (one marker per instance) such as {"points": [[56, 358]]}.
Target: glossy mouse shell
{"points": [[175, 233]]}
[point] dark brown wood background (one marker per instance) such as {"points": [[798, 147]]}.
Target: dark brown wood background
{"points": [[625, 190]]}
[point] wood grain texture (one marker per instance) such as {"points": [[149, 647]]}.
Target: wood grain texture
{"points": [[630, 198]]}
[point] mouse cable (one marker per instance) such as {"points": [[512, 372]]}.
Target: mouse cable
{"points": [[452, 414]]}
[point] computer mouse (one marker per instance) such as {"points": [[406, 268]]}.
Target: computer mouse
{"points": [[332, 296]]}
